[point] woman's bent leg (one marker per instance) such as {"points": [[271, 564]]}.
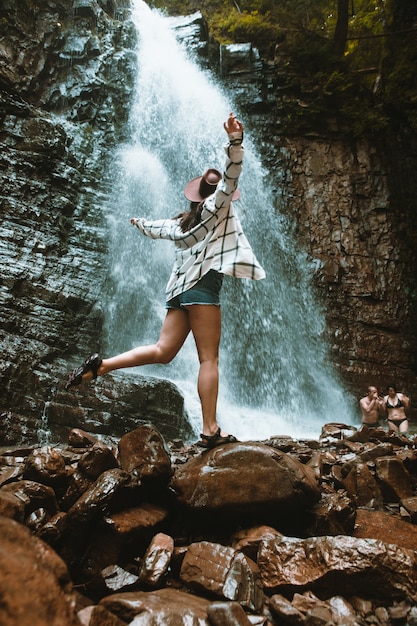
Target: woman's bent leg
{"points": [[173, 334]]}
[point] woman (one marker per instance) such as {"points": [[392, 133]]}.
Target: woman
{"points": [[209, 242], [396, 403]]}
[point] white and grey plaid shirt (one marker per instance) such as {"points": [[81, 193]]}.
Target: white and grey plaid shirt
{"points": [[217, 242]]}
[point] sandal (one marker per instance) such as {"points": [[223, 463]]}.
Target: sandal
{"points": [[90, 365], [211, 441]]}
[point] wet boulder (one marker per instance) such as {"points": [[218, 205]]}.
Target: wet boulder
{"points": [[143, 453], [47, 466], [34, 503], [98, 616], [94, 462], [170, 607], [117, 404], [385, 527], [368, 454], [338, 565], [248, 540], [157, 560], [119, 538], [113, 490], [394, 479], [224, 572], [227, 613], [245, 479], [333, 514], [363, 487], [35, 586]]}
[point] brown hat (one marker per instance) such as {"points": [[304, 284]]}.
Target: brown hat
{"points": [[204, 186]]}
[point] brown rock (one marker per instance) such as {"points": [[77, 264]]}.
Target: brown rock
{"points": [[34, 583], [157, 559], [385, 527], [12, 506], [369, 454], [308, 603], [79, 438], [47, 466], [117, 579], [122, 536], [394, 478], [285, 610], [90, 466], [227, 614], [362, 486], [137, 522], [9, 474], [52, 530], [247, 541], [245, 477], [143, 452], [337, 430], [112, 490], [98, 616], [111, 486], [334, 514], [34, 496], [169, 607], [224, 572], [410, 505], [338, 566], [342, 611], [97, 460]]}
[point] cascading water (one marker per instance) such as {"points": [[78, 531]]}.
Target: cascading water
{"points": [[275, 377]]}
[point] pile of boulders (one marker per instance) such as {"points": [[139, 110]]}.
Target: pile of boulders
{"points": [[145, 532]]}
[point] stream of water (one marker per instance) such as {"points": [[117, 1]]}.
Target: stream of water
{"points": [[275, 374]]}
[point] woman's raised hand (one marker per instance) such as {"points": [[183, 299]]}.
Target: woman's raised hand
{"points": [[233, 125]]}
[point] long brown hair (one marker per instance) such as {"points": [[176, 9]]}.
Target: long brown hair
{"points": [[191, 218]]}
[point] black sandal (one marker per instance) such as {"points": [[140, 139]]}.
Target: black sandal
{"points": [[90, 365], [211, 441]]}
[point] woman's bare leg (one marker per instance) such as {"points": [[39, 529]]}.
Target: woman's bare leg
{"points": [[403, 427], [205, 323], [173, 334]]}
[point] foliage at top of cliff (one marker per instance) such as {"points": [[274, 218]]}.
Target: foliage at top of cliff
{"points": [[354, 60]]}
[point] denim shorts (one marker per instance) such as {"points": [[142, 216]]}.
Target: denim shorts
{"points": [[206, 291]]}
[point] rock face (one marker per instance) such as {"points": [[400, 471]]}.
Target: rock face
{"points": [[66, 70], [66, 80], [352, 222]]}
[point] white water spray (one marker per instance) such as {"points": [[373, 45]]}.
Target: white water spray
{"points": [[275, 374]]}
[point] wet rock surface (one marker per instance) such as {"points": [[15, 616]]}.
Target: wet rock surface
{"points": [[63, 106], [124, 546]]}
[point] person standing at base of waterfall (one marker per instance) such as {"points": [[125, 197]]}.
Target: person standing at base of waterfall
{"points": [[396, 404], [372, 407], [209, 242]]}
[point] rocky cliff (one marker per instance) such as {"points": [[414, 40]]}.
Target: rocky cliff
{"points": [[66, 81], [353, 220], [66, 70]]}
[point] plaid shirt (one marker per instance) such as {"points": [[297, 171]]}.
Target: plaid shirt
{"points": [[217, 242]]}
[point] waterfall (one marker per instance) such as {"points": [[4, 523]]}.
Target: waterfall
{"points": [[275, 374]]}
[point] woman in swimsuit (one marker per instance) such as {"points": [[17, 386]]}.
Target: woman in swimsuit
{"points": [[396, 403]]}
